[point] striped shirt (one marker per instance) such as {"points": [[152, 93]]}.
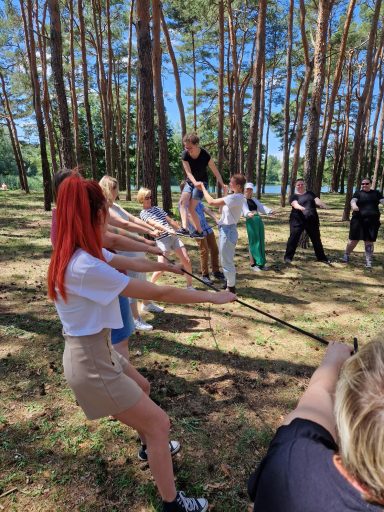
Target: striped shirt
{"points": [[155, 213]]}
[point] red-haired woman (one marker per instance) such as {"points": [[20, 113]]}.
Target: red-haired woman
{"points": [[84, 283]]}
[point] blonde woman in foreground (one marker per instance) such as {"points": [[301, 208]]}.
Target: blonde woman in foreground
{"points": [[329, 454]]}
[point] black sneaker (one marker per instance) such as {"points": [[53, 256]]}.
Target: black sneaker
{"points": [[182, 232], [219, 275], [184, 504], [232, 289], [207, 280], [198, 235], [174, 447]]}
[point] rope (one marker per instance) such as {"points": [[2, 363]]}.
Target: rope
{"points": [[272, 317]]}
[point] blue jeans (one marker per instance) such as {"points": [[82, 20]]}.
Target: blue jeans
{"points": [[227, 244], [118, 335], [195, 192]]}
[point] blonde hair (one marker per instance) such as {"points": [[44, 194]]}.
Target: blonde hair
{"points": [[142, 193], [108, 184], [359, 411]]}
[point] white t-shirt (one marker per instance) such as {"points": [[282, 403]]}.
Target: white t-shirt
{"points": [[92, 289], [232, 209]]}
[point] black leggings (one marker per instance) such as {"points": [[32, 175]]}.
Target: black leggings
{"points": [[312, 227]]}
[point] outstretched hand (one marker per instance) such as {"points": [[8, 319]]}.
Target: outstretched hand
{"points": [[155, 250], [337, 353], [223, 297], [176, 268], [199, 185]]}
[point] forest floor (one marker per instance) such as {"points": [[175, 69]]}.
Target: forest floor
{"points": [[225, 375]]}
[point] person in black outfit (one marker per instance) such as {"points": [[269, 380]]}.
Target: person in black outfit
{"points": [[328, 456], [195, 160], [365, 221], [304, 217]]}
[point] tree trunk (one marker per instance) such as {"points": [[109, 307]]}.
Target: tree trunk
{"points": [[256, 89], [335, 88], [176, 74], [13, 136], [238, 148], [312, 136], [87, 108], [58, 79], [303, 101], [26, 12], [371, 163], [259, 175], [46, 100], [103, 85], [128, 196], [72, 76], [159, 101], [269, 121], [287, 100], [220, 98], [379, 150], [361, 113], [146, 110]]}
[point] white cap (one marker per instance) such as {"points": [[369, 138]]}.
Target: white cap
{"points": [[249, 185]]}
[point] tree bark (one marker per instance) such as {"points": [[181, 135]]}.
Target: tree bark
{"points": [[159, 101], [335, 88], [146, 108], [72, 76], [287, 100], [312, 136], [23, 180], [361, 112], [176, 74], [58, 79], [238, 148], [87, 108], [128, 118], [220, 98], [26, 12], [303, 100], [259, 174], [256, 89]]}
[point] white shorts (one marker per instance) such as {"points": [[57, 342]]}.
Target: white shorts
{"points": [[169, 243]]}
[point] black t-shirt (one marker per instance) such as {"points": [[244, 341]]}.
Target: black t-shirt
{"points": [[298, 474], [198, 165], [251, 205], [308, 201], [368, 203]]}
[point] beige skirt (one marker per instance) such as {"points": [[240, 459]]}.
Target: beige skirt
{"points": [[96, 374]]}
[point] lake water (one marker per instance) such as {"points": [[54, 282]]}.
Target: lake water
{"points": [[269, 189]]}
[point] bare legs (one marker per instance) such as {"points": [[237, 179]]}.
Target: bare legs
{"points": [[183, 257], [369, 246], [153, 424]]}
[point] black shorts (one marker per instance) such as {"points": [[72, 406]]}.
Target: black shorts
{"points": [[364, 228]]}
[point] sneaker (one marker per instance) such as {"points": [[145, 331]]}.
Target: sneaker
{"points": [[184, 504], [287, 261], [198, 235], [140, 325], [182, 232], [174, 447], [219, 275], [231, 289], [256, 268], [207, 280], [152, 308], [191, 288], [345, 258], [368, 264]]}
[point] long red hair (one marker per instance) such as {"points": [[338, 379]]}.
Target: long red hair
{"points": [[81, 208]]}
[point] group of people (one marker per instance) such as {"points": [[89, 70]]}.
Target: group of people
{"points": [[96, 276]]}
